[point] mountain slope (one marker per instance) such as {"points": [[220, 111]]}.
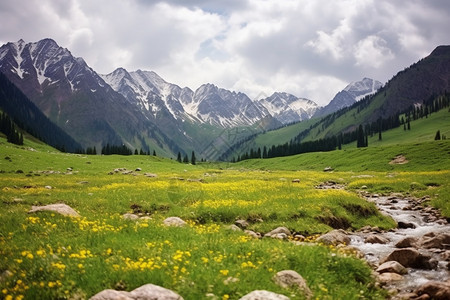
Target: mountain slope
{"points": [[76, 98], [31, 119], [352, 93], [411, 87]]}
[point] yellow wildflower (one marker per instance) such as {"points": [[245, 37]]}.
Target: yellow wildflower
{"points": [[224, 272]]}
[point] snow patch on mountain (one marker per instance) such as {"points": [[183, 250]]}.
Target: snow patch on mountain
{"points": [[353, 92], [363, 88], [288, 108]]}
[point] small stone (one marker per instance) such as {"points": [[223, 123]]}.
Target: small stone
{"points": [[406, 257], [241, 223], [334, 237], [252, 234], [438, 241], [406, 296], [69, 169], [389, 277], [5, 275], [328, 169], [234, 228], [278, 230], [230, 280], [289, 279], [280, 236], [60, 208], [296, 180], [392, 267], [299, 237], [129, 216], [263, 295], [151, 291], [175, 222], [405, 225], [435, 290], [376, 239], [138, 169], [150, 175], [407, 242], [112, 295], [48, 187]]}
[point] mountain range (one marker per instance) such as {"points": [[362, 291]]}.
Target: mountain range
{"points": [[140, 109]]}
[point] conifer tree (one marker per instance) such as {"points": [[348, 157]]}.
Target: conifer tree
{"points": [[265, 152], [437, 136], [179, 157], [360, 142], [193, 160]]}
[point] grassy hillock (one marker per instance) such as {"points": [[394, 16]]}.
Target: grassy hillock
{"points": [[48, 256]]}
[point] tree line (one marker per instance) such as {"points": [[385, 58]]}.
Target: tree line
{"points": [[360, 134], [8, 128]]}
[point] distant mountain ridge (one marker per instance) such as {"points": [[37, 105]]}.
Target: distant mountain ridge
{"points": [[77, 99], [352, 93], [208, 104], [138, 109]]}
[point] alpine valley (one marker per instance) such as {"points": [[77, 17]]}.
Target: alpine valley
{"points": [[140, 110]]}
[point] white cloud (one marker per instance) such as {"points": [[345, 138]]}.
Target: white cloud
{"points": [[311, 48], [372, 52]]}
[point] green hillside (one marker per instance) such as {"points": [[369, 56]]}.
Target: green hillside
{"points": [[51, 256]]}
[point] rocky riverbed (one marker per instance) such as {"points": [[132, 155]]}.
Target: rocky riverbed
{"points": [[411, 261]]}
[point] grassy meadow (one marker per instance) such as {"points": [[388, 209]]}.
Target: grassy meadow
{"points": [[50, 256]]}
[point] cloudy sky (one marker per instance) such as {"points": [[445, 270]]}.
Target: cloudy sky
{"points": [[310, 48]]}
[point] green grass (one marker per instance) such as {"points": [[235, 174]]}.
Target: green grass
{"points": [[51, 256], [421, 130]]}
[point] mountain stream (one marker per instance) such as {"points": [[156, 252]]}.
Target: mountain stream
{"points": [[414, 221]]}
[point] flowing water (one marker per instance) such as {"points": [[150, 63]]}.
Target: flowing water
{"points": [[424, 221]]}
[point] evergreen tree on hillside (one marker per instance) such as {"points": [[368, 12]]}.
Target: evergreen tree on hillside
{"points": [[179, 157], [438, 135], [193, 159], [360, 142], [186, 159], [8, 127], [264, 152]]}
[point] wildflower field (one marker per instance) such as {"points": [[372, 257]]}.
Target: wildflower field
{"points": [[46, 255]]}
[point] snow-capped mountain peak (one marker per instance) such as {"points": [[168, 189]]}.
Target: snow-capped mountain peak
{"points": [[43, 63], [353, 92], [288, 108], [362, 88]]}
